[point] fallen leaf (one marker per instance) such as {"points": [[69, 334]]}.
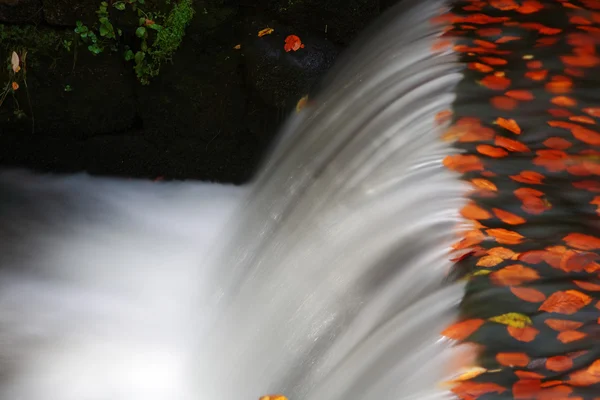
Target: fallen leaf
{"points": [[528, 294], [266, 31], [463, 329], [565, 302]]}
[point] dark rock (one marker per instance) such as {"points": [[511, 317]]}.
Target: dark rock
{"points": [[66, 94], [282, 78], [20, 11], [339, 20], [195, 109]]}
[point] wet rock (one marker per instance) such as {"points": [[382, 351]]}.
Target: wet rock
{"points": [[283, 77], [20, 11]]}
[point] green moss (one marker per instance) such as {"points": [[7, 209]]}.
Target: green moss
{"points": [[165, 33]]}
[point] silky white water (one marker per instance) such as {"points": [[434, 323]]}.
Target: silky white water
{"points": [[322, 279]]}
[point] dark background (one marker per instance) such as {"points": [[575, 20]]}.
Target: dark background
{"points": [[210, 114]]}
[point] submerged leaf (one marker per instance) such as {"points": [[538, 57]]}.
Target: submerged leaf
{"points": [[516, 320]]}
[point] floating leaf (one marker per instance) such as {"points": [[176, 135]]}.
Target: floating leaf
{"points": [[516, 320], [463, 329], [491, 151], [511, 144], [565, 302], [559, 363], [589, 286], [514, 275], [512, 359], [570, 336], [504, 236], [557, 143], [473, 390], [523, 95], [529, 177], [463, 163], [273, 397], [582, 242], [489, 261], [473, 211], [526, 334], [509, 124], [508, 217], [528, 294], [562, 325]]}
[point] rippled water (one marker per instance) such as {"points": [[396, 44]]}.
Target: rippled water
{"points": [[323, 279]]}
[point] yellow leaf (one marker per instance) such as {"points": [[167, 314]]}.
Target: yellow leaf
{"points": [[266, 31], [237, 46], [515, 320]]}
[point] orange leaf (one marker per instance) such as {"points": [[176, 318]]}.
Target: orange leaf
{"points": [[528, 294], [491, 151], [559, 363], [565, 302], [474, 390], [526, 334], [494, 60], [562, 325], [514, 275], [512, 359], [528, 375], [523, 95], [593, 111], [501, 252], [495, 82], [537, 75], [504, 236], [559, 85], [570, 336], [509, 124], [489, 261], [462, 330], [504, 103], [529, 177], [530, 7], [583, 119], [557, 143], [582, 242], [508, 217], [526, 389], [584, 377], [564, 101], [510, 144], [463, 163], [473, 211], [592, 287], [484, 184]]}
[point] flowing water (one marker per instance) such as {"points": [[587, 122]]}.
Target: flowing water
{"points": [[322, 279]]}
